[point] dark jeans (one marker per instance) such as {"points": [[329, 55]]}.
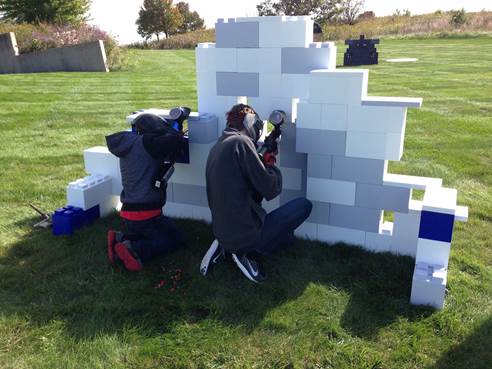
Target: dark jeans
{"points": [[280, 224], [153, 237]]}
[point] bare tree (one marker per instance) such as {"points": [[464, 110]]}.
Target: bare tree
{"points": [[351, 9]]}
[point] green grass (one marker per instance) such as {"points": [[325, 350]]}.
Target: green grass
{"points": [[62, 306]]}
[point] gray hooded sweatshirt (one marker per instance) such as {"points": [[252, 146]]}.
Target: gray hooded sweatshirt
{"points": [[235, 177]]}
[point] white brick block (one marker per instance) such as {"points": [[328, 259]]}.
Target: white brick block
{"points": [[226, 60], [308, 116], [333, 234], [442, 200], [193, 173], [404, 102], [289, 33], [264, 106], [265, 60], [291, 178], [332, 191], [338, 86], [433, 252], [334, 117], [98, 160], [270, 85], [416, 183], [307, 231], [377, 119], [90, 191], [375, 145], [382, 241], [175, 210], [218, 105], [429, 285], [206, 83], [202, 213], [406, 230], [205, 59], [295, 85]]}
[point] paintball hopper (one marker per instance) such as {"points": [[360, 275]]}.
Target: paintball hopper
{"points": [[179, 115]]}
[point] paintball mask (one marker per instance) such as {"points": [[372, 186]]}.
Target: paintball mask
{"points": [[253, 125]]}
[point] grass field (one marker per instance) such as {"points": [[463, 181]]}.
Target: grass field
{"points": [[62, 306]]}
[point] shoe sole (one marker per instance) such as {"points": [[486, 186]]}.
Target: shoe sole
{"points": [[111, 241], [131, 264], [207, 258], [243, 269]]}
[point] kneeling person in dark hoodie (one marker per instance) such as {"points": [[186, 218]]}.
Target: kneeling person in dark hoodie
{"points": [[147, 232], [237, 182]]}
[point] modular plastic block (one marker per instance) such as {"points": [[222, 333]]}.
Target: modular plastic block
{"points": [[440, 200], [382, 197], [294, 85], [429, 285], [319, 166], [334, 235], [203, 130], [264, 106], [287, 33], [403, 102], [334, 117], [263, 61], [433, 252], [307, 231], [338, 86], [416, 183], [190, 194], [308, 115], [406, 230], [98, 160], [291, 159], [320, 214], [206, 83], [377, 119], [176, 210], [358, 169], [270, 85], [90, 191], [436, 226], [381, 241], [292, 178], [320, 141], [237, 34], [225, 60], [202, 213], [66, 220], [238, 84], [352, 217], [371, 145], [328, 190], [301, 60]]}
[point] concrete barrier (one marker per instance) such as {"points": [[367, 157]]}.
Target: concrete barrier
{"points": [[87, 57]]}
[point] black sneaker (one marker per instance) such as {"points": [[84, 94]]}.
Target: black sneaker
{"points": [[214, 253], [249, 268]]}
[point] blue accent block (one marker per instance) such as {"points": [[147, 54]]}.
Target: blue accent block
{"points": [[90, 215], [66, 220], [436, 226], [185, 158]]}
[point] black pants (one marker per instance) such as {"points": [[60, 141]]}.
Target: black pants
{"points": [[153, 237]]}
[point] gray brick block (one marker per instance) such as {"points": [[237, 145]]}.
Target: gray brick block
{"points": [[353, 217], [238, 84], [319, 166], [320, 213], [382, 197], [203, 130], [321, 141], [237, 35], [190, 194], [298, 60], [169, 193], [289, 195], [358, 169], [288, 141], [291, 159]]}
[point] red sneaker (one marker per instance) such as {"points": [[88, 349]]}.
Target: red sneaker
{"points": [[111, 244], [124, 252]]}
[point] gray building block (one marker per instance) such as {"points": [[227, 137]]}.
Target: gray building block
{"points": [[237, 35], [299, 60], [291, 159], [382, 197], [190, 194], [320, 141], [203, 130], [354, 217], [320, 213], [319, 166], [288, 140], [358, 169], [238, 84], [169, 192], [289, 195]]}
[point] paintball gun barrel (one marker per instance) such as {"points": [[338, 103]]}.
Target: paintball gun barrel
{"points": [[277, 118]]}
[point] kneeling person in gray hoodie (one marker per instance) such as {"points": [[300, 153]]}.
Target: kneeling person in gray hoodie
{"points": [[237, 182]]}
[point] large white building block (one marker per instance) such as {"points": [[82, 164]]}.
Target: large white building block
{"points": [[307, 231], [264, 60], [348, 86], [381, 241], [176, 210], [98, 160], [308, 115], [332, 234], [91, 191], [433, 252], [405, 234], [369, 145], [264, 106], [334, 117], [429, 285], [377, 119], [403, 102], [286, 32], [294, 86], [440, 199], [193, 173], [332, 191], [291, 178]]}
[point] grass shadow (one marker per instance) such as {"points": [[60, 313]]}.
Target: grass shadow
{"points": [[48, 278]]}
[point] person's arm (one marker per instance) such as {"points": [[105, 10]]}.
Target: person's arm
{"points": [[160, 145], [266, 180]]}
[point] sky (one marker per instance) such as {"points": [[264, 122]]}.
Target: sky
{"points": [[118, 16]]}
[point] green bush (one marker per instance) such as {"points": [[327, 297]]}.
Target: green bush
{"points": [[458, 18], [183, 41]]}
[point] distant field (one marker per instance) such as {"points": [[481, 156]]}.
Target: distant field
{"points": [[62, 306]]}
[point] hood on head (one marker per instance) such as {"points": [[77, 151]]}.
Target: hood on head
{"points": [[120, 144]]}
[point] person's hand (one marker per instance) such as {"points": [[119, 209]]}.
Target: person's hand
{"points": [[269, 158]]}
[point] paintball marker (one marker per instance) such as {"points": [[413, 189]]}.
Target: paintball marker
{"points": [[277, 118], [177, 116]]}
